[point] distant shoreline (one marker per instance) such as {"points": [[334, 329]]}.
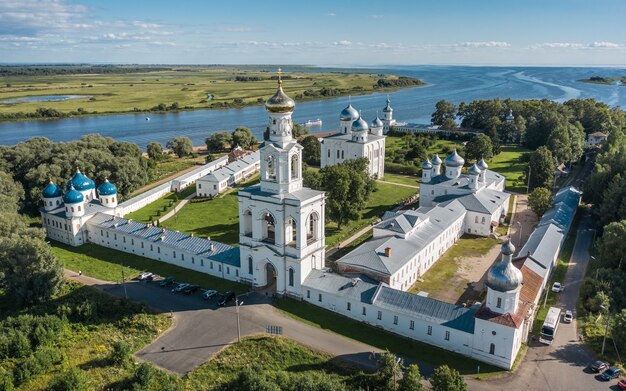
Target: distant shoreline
{"points": [[621, 81]]}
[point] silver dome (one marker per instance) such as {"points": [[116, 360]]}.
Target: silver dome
{"points": [[508, 248], [427, 165], [437, 160], [503, 276], [510, 116], [474, 170], [454, 160], [388, 108], [349, 114], [360, 125], [482, 164], [377, 123]]}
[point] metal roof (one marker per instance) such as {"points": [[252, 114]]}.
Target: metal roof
{"points": [[543, 245], [341, 286], [176, 240], [299, 195]]}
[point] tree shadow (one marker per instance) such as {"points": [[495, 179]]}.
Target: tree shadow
{"points": [[102, 362]]}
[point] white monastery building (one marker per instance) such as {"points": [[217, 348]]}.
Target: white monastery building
{"points": [[281, 241], [357, 138]]}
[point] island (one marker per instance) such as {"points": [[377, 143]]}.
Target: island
{"points": [[36, 92], [605, 80]]}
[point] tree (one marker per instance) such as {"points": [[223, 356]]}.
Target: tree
{"points": [[243, 137], [310, 178], [389, 370], [446, 379], [218, 142], [613, 245], [411, 380], [6, 380], [540, 200], [11, 193], [542, 166], [121, 354], [479, 147], [181, 146], [444, 115], [312, 150], [559, 144], [618, 331], [299, 130], [155, 150], [73, 379], [347, 186], [29, 272], [144, 375]]}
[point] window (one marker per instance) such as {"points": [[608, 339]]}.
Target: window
{"points": [[290, 277], [151, 248], [499, 304], [395, 319], [124, 239], [319, 297], [342, 154], [193, 260], [430, 330], [308, 294], [268, 228], [364, 311], [412, 325], [337, 154], [476, 219], [349, 306], [270, 172], [237, 272], [132, 242], [201, 262], [250, 265], [290, 232], [247, 223], [329, 153], [210, 265], [492, 349], [72, 209], [483, 220], [114, 236], [79, 208], [182, 257], [159, 250], [380, 315], [101, 232], [312, 227], [219, 267], [447, 335], [227, 269], [295, 167]]}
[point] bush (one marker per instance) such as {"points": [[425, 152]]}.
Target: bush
{"points": [[144, 375], [121, 354], [6, 380], [71, 380]]}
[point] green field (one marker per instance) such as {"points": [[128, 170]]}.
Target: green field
{"points": [[402, 179], [423, 353], [106, 264], [440, 146], [186, 85], [160, 207], [509, 164]]}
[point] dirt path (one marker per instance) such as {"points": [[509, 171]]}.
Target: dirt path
{"points": [[398, 184]]}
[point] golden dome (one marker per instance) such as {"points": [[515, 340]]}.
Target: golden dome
{"points": [[280, 102]]}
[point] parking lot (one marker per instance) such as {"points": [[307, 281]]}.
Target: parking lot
{"points": [[200, 328]]}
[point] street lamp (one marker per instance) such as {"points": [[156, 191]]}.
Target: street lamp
{"points": [[396, 362], [593, 259], [238, 304], [606, 329]]}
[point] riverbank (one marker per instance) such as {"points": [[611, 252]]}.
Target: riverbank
{"points": [[605, 80], [178, 90]]}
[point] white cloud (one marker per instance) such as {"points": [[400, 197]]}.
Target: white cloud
{"points": [[236, 29], [608, 45], [484, 44], [576, 45], [342, 43], [332, 14], [162, 43]]}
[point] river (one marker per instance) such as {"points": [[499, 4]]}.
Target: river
{"points": [[454, 83]]}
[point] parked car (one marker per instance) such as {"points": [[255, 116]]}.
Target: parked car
{"points": [[226, 298], [611, 373], [622, 384], [557, 287], [167, 281], [209, 294], [190, 289], [568, 317], [598, 366], [180, 287], [144, 276]]}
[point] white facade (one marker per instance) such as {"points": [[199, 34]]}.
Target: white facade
{"points": [[281, 222], [356, 139], [190, 178], [220, 179]]}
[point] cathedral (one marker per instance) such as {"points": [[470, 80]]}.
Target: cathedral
{"points": [[357, 138]]}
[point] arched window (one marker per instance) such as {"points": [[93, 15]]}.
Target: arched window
{"points": [[269, 228], [247, 223], [312, 227], [492, 349], [291, 232], [291, 277], [295, 167], [270, 172], [499, 303], [250, 270]]}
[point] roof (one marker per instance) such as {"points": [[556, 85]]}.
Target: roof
{"points": [[220, 252], [51, 191], [341, 286], [107, 188], [299, 195], [531, 280], [597, 134], [92, 207], [483, 201], [507, 319], [435, 311], [384, 297], [543, 245], [204, 167], [463, 180], [370, 256], [346, 137]]}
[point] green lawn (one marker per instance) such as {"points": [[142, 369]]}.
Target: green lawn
{"points": [[403, 179], [160, 207], [171, 165], [509, 164], [106, 264], [424, 353], [385, 198], [440, 146], [441, 277], [502, 229]]}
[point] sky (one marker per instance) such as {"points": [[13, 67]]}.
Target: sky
{"points": [[314, 32]]}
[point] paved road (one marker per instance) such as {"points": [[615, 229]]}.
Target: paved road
{"points": [[200, 329], [560, 366]]}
